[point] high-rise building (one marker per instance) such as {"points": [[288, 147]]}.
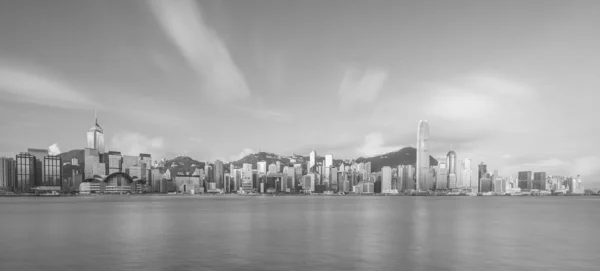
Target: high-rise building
{"points": [[262, 167], [466, 174], [272, 168], [7, 173], [333, 179], [452, 178], [114, 162], [95, 138], [39, 155], [539, 181], [26, 171], [368, 168], [406, 175], [386, 179], [218, 171], [313, 161], [482, 172], [525, 180], [247, 177], [52, 175], [486, 183], [422, 164], [277, 166]]}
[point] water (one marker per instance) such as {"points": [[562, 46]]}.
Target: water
{"points": [[299, 233]]}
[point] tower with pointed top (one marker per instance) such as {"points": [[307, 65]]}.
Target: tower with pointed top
{"points": [[422, 163], [95, 137]]}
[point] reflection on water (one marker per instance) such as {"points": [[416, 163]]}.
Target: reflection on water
{"points": [[299, 233]]}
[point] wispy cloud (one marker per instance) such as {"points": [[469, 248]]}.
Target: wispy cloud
{"points": [[240, 155], [587, 166], [361, 86], [136, 143], [546, 163], [374, 145], [35, 86], [204, 51]]}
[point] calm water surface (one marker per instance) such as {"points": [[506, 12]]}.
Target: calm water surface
{"points": [[299, 233]]}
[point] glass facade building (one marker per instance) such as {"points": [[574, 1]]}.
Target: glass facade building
{"points": [[26, 169], [52, 171]]}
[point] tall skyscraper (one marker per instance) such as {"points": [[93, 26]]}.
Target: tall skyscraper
{"points": [[481, 175], [262, 167], [313, 160], [95, 137], [451, 161], [52, 175], [7, 173], [26, 169], [219, 174], [328, 165], [539, 180], [386, 179], [466, 174], [525, 180], [422, 165]]}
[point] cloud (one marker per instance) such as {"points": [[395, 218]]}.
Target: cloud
{"points": [[204, 51], [241, 155], [361, 87], [136, 143], [53, 149], [196, 139], [39, 88], [374, 145], [586, 166], [552, 162], [477, 97]]}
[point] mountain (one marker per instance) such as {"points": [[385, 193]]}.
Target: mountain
{"points": [[405, 156], [67, 156], [183, 164]]}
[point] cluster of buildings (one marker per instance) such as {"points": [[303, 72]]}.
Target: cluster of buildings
{"points": [[36, 171]]}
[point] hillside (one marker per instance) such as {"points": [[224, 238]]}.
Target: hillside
{"points": [[183, 164], [405, 156], [67, 156]]}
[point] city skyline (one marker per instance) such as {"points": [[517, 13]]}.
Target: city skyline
{"points": [[501, 98]]}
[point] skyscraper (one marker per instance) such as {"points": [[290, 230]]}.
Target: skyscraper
{"points": [[422, 165], [481, 175], [262, 167], [451, 161], [7, 173], [26, 169], [219, 174], [539, 180], [386, 179], [328, 165], [466, 174], [313, 160], [95, 138], [525, 180], [52, 174]]}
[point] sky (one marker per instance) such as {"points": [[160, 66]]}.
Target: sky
{"points": [[513, 84]]}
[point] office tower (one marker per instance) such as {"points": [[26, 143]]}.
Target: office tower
{"points": [[441, 173], [313, 161], [422, 164], [272, 168], [291, 177], [482, 172], [497, 184], [26, 170], [95, 138], [39, 155], [52, 175], [218, 171], [486, 183], [262, 167], [539, 180], [146, 164], [451, 161], [333, 179], [466, 174], [114, 162], [386, 179], [247, 177], [7, 173], [328, 164], [277, 166], [132, 167], [90, 160], [368, 167], [525, 180]]}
